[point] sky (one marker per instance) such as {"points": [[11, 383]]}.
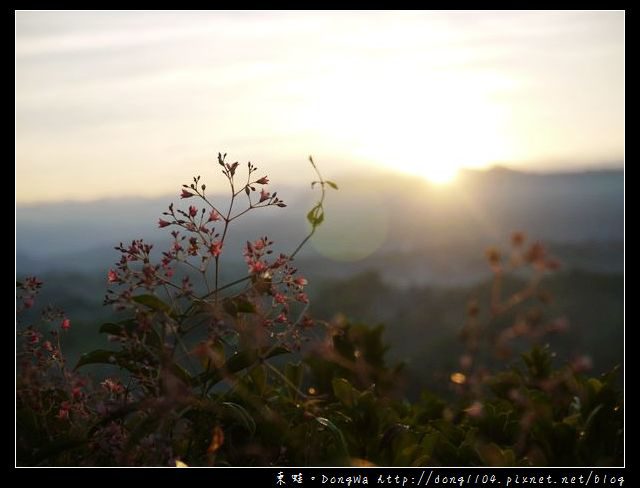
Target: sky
{"points": [[111, 104]]}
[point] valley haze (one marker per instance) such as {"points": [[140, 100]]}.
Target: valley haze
{"points": [[439, 232]]}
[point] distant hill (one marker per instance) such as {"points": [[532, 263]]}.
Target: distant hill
{"points": [[431, 232], [393, 249]]}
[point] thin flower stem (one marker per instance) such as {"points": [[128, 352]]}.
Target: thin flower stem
{"points": [[170, 297], [224, 235], [286, 380], [319, 204], [184, 349], [293, 254], [213, 207], [252, 207]]}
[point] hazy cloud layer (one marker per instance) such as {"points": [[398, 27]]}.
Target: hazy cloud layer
{"points": [[111, 103]]}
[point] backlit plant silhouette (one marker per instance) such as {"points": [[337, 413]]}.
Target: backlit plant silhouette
{"points": [[206, 372], [252, 318]]}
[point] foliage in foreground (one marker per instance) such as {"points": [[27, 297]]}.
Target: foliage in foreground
{"points": [[239, 373]]}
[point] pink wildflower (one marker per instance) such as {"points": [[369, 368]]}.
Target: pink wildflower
{"points": [[163, 223], [63, 413], [112, 276], [66, 324], [216, 248], [256, 267], [34, 337], [476, 410], [33, 282], [300, 281], [112, 386], [582, 364]]}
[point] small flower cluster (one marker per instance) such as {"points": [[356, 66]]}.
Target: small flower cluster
{"points": [[41, 344], [36, 350], [250, 186], [77, 404], [134, 269], [279, 280], [198, 240], [198, 222], [27, 291], [271, 309], [535, 256], [113, 387], [44, 385], [525, 323], [168, 309]]}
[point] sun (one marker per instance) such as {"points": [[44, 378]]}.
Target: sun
{"points": [[437, 155], [433, 143], [433, 127], [441, 174], [439, 167]]}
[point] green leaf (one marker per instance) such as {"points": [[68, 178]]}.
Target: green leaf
{"points": [[258, 376], [236, 305], [343, 391], [237, 363], [311, 216], [153, 302], [99, 356], [127, 328], [332, 184], [493, 455], [594, 413], [245, 306], [294, 373], [538, 362], [241, 414], [112, 329], [337, 433], [181, 373], [316, 216], [390, 434], [230, 307], [129, 360], [595, 385]]}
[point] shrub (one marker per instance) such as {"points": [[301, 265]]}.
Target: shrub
{"points": [[239, 373]]}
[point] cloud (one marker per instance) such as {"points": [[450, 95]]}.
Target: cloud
{"points": [[130, 86]]}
